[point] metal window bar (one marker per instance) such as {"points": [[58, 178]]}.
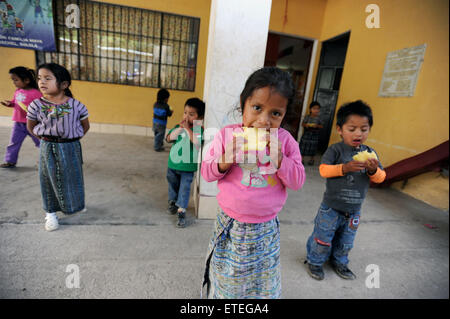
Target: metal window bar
{"points": [[79, 47], [140, 47], [179, 54], [65, 54], [128, 41], [161, 21], [100, 41]]}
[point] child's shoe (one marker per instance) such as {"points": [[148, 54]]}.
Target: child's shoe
{"points": [[343, 271], [8, 165], [315, 271], [51, 222], [172, 207], [181, 219]]}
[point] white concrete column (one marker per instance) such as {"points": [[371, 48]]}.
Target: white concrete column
{"points": [[237, 39]]}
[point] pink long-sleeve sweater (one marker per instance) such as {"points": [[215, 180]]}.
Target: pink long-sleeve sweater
{"points": [[244, 193]]}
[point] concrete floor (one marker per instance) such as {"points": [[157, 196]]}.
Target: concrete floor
{"points": [[127, 246]]}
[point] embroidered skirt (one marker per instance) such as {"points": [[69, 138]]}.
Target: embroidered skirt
{"points": [[243, 260], [61, 177], [309, 143]]}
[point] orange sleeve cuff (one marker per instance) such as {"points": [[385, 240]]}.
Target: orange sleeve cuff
{"points": [[328, 171], [378, 177]]}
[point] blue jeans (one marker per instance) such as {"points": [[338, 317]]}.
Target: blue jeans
{"points": [[179, 186], [333, 236], [159, 131]]}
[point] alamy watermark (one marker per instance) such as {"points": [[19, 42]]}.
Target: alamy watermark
{"points": [[373, 19], [373, 279], [73, 19], [73, 279]]}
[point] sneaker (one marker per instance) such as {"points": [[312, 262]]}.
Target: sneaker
{"points": [[181, 219], [172, 208], [7, 165], [315, 271], [343, 271], [51, 222]]}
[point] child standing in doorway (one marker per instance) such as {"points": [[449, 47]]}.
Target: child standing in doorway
{"points": [[310, 138], [60, 122], [243, 259], [348, 181], [27, 91], [161, 111], [183, 157]]}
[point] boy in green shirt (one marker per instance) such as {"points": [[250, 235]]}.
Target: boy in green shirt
{"points": [[183, 157]]}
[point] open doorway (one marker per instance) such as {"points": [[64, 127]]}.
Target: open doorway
{"points": [[329, 74], [293, 55]]}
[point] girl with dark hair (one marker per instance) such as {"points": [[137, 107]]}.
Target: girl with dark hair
{"points": [[60, 122], [26, 91], [243, 259], [311, 132]]}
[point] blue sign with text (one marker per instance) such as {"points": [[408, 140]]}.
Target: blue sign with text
{"points": [[27, 24]]}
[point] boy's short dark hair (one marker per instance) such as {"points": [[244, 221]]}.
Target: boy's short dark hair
{"points": [[162, 95], [354, 108], [314, 103], [197, 104]]}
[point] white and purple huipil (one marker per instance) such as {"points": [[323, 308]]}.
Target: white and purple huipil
{"points": [[59, 120]]}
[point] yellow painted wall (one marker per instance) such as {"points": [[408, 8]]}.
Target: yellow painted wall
{"points": [[115, 103], [403, 126], [304, 18]]}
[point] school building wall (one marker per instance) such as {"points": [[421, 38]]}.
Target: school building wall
{"points": [[302, 18], [117, 107], [403, 126]]}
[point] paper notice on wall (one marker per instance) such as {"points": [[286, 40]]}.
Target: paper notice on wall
{"points": [[401, 72]]}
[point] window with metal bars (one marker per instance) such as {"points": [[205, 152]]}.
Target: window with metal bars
{"points": [[126, 45]]}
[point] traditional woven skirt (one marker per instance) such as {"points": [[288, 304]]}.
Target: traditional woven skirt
{"points": [[61, 177], [243, 260], [309, 143]]}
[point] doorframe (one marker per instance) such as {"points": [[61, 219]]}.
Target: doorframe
{"points": [[312, 61], [334, 38], [308, 86]]}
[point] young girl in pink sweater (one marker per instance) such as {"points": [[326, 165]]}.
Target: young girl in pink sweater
{"points": [[243, 260]]}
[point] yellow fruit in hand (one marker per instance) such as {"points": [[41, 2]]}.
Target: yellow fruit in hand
{"points": [[364, 156], [256, 140]]}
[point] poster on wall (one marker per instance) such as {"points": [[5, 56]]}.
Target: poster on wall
{"points": [[401, 71], [27, 24]]}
